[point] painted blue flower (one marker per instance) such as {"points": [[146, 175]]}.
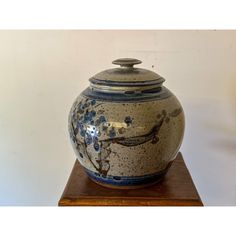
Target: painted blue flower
{"points": [[88, 139], [93, 102], [102, 119], [93, 113], [86, 104], [88, 117], [79, 125], [96, 146], [82, 132]]}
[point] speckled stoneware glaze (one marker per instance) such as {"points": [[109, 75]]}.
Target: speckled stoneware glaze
{"points": [[126, 128]]}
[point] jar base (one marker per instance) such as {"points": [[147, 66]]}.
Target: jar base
{"points": [[134, 182], [127, 187]]}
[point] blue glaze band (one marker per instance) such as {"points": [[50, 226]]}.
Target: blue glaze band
{"points": [[123, 97], [158, 81], [126, 180]]}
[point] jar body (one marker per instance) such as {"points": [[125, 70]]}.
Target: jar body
{"points": [[126, 141]]}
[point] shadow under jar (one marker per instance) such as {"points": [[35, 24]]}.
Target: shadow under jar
{"points": [[126, 128]]}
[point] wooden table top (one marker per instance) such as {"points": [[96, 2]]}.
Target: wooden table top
{"points": [[176, 189]]}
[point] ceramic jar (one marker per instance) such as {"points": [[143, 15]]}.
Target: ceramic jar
{"points": [[126, 127]]}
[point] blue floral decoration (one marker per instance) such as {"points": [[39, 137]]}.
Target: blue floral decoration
{"points": [[96, 146], [93, 102], [102, 119], [88, 138], [93, 113], [82, 133], [84, 115]]}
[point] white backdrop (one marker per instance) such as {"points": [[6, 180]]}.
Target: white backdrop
{"points": [[42, 72]]}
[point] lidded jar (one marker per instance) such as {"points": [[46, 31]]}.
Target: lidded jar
{"points": [[126, 128]]}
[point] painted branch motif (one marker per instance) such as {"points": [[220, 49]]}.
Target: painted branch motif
{"points": [[88, 124]]}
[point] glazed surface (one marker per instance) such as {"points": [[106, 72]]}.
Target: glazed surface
{"points": [[132, 138]]}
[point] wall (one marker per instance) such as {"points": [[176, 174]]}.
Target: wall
{"points": [[41, 73]]}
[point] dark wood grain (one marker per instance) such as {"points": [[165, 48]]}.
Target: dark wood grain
{"points": [[177, 189]]}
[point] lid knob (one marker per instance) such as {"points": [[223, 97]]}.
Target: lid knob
{"points": [[126, 62]]}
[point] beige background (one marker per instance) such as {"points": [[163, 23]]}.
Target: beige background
{"points": [[41, 73]]}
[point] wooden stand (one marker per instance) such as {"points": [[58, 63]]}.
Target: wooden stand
{"points": [[177, 189]]}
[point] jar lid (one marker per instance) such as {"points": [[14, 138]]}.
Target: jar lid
{"points": [[126, 77]]}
